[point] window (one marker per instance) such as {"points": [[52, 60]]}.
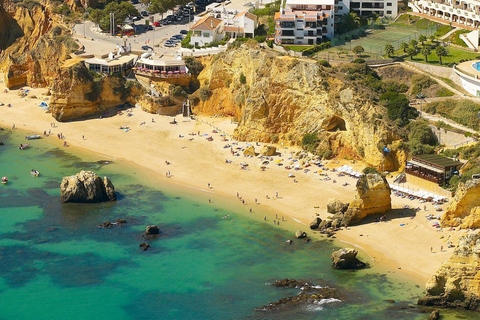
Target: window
{"points": [[206, 34], [197, 33], [389, 4], [389, 12]]}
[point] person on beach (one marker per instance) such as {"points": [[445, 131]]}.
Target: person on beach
{"points": [[13, 127], [431, 249], [251, 210], [256, 201], [209, 186], [276, 194], [83, 137], [265, 218]]}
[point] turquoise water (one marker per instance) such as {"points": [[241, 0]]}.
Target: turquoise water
{"points": [[55, 263]]}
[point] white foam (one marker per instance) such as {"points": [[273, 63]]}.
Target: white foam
{"points": [[318, 305]]}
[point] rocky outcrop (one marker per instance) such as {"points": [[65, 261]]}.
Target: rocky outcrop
{"points": [[464, 210], [86, 186], [346, 259], [150, 230], [336, 206], [79, 95], [284, 98], [249, 151], [300, 234], [373, 196], [457, 283]]}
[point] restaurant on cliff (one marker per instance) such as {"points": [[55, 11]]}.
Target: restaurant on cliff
{"points": [[432, 167]]}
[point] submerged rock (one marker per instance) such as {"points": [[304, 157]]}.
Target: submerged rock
{"points": [[346, 259], [86, 186], [309, 294], [300, 234], [435, 315]]}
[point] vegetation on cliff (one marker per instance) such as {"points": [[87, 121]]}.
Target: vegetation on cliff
{"points": [[463, 111], [470, 154]]}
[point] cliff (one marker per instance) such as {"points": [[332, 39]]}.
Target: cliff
{"points": [[280, 99], [457, 282], [37, 43], [79, 95], [464, 210]]}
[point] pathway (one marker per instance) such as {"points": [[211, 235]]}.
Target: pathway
{"points": [[448, 34]]}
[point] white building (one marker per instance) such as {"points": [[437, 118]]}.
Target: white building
{"points": [[464, 13], [206, 30], [309, 22]]}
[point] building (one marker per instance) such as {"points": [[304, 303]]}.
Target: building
{"points": [[464, 13], [213, 26], [205, 31], [469, 73], [112, 63], [431, 167], [309, 22], [162, 67]]}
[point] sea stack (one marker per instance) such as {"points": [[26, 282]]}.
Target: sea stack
{"points": [[88, 187]]}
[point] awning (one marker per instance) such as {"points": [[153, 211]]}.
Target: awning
{"points": [[426, 166]]}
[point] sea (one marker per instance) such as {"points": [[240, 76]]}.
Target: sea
{"points": [[208, 262]]}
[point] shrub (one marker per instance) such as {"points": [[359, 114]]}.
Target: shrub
{"points": [[274, 138], [260, 39], [270, 43], [310, 142], [398, 107], [243, 79], [421, 82], [444, 92], [324, 63], [204, 93], [462, 111], [369, 170], [193, 65], [420, 138]]}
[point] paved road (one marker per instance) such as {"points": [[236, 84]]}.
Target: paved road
{"points": [[101, 43]]}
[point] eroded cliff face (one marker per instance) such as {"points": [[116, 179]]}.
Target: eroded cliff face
{"points": [[457, 282], [79, 95], [464, 210], [278, 97], [37, 44]]}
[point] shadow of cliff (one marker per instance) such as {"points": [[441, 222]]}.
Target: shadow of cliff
{"points": [[390, 215], [10, 30]]}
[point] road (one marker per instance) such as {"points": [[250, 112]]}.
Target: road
{"points": [[96, 42]]}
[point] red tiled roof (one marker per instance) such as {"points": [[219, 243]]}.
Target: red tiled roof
{"points": [[206, 23]]}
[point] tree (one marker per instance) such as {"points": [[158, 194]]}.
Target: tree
{"points": [[389, 50], [358, 50], [426, 52], [411, 51], [432, 37], [404, 46], [413, 43], [441, 51], [422, 39], [349, 21], [122, 11], [96, 16]]}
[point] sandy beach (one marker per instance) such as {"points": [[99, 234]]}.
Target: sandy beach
{"points": [[401, 245]]}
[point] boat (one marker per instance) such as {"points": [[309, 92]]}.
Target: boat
{"points": [[24, 146], [35, 136], [4, 180], [36, 173]]}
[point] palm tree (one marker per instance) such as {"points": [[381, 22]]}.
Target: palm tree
{"points": [[349, 21], [411, 51], [413, 43], [441, 51], [389, 50], [422, 39], [426, 52], [404, 46]]}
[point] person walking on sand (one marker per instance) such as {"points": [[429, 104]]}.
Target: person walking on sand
{"points": [[441, 248], [13, 127], [265, 218], [251, 210], [431, 249], [276, 194]]}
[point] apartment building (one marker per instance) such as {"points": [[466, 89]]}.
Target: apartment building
{"points": [[461, 12], [308, 22]]}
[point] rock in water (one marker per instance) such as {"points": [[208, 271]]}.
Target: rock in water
{"points": [[268, 151], [152, 230], [346, 259], [300, 234], [86, 186], [315, 223], [435, 315], [455, 284], [335, 206], [464, 210], [373, 196]]}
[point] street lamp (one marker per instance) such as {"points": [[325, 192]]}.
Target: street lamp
{"points": [[421, 96]]}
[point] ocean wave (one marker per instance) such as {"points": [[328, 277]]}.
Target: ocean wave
{"points": [[318, 305]]}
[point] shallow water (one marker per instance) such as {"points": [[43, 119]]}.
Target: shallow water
{"points": [[55, 263]]}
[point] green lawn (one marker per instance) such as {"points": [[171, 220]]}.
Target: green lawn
{"points": [[297, 48], [455, 38], [454, 56], [409, 21]]}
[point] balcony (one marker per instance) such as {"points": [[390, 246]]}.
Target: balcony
{"points": [[428, 177]]}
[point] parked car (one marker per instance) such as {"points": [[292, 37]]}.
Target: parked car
{"points": [[178, 36], [134, 1], [175, 40], [169, 44], [144, 13], [165, 21], [149, 27], [147, 48], [157, 24], [183, 31]]}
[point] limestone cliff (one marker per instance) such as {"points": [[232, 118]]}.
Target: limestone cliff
{"points": [[464, 210], [79, 94], [373, 196], [35, 43], [280, 98], [457, 282]]}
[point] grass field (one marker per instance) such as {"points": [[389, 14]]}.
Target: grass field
{"points": [[297, 48], [454, 56]]}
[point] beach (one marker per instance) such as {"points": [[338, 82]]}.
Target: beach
{"points": [[172, 156]]}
